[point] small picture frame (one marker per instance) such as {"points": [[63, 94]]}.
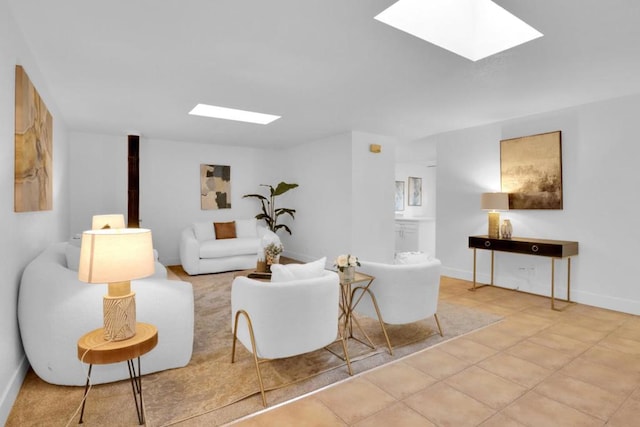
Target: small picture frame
{"points": [[415, 191], [399, 195]]}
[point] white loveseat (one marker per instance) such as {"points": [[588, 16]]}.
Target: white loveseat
{"points": [[202, 253], [55, 309]]}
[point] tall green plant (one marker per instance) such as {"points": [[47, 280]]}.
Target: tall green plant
{"points": [[270, 213]]}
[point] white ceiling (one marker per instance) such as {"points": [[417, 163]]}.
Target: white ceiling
{"points": [[325, 66]]}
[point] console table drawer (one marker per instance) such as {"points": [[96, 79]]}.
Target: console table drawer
{"points": [[540, 247]]}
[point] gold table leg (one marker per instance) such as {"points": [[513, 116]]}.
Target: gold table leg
{"points": [[475, 285], [553, 298], [347, 319]]}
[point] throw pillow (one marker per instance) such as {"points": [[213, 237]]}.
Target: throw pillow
{"points": [[246, 228], [204, 231], [225, 230], [291, 272]]}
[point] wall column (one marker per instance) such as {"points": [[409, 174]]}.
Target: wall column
{"points": [[133, 186]]}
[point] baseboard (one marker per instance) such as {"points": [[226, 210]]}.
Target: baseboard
{"points": [[579, 296], [300, 257], [169, 261], [605, 301], [13, 388]]}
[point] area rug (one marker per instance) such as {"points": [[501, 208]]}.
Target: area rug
{"points": [[212, 385]]}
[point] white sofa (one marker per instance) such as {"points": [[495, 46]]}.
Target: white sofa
{"points": [[55, 309], [202, 253]]}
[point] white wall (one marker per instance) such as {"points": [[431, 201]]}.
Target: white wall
{"points": [[323, 223], [373, 176], [345, 200], [427, 172], [169, 183], [419, 159], [98, 177], [601, 199], [24, 235]]}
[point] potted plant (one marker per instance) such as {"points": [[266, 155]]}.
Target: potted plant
{"points": [[270, 213]]}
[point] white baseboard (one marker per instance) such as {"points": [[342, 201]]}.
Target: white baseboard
{"points": [[579, 296], [170, 261], [13, 388], [301, 257]]}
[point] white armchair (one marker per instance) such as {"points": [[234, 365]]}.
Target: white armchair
{"points": [[282, 319], [404, 293]]}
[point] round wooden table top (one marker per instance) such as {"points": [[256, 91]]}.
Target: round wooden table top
{"points": [[95, 350]]}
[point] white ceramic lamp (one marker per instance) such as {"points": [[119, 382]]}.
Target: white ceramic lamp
{"points": [[117, 256], [494, 202]]}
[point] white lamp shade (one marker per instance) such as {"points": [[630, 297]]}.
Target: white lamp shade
{"points": [[494, 201], [116, 255], [107, 221]]}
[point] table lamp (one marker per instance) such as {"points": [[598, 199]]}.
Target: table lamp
{"points": [[494, 202], [107, 221], [117, 256]]}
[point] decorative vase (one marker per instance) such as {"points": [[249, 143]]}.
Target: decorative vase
{"points": [[506, 230], [271, 260], [347, 274]]}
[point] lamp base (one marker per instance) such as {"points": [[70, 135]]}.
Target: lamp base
{"points": [[494, 225], [119, 312]]}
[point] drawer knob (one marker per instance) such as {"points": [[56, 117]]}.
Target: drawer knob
{"points": [[487, 244], [534, 248]]}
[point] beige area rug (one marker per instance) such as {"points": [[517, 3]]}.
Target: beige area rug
{"points": [[213, 388]]}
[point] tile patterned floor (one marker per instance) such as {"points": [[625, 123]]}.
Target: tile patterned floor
{"points": [[538, 367]]}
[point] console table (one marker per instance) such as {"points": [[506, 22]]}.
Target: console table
{"points": [[554, 249]]}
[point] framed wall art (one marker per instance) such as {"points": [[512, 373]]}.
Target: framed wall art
{"points": [[215, 187], [415, 191], [399, 195], [33, 179], [531, 171]]}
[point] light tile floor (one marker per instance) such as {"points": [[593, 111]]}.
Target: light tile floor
{"points": [[538, 367]]}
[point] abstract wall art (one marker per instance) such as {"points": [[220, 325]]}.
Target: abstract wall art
{"points": [[33, 179], [215, 187], [399, 196], [415, 191], [531, 171]]}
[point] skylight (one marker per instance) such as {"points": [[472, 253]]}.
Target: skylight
{"points": [[232, 114], [474, 29]]}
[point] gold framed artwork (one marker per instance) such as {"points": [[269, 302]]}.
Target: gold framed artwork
{"points": [[215, 187], [33, 179], [531, 171]]}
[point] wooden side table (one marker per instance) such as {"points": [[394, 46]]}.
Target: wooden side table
{"points": [[95, 350]]}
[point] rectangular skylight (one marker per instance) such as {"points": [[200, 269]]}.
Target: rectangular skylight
{"points": [[232, 114], [473, 29]]}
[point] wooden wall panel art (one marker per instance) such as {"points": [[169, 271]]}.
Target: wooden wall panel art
{"points": [[33, 180]]}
